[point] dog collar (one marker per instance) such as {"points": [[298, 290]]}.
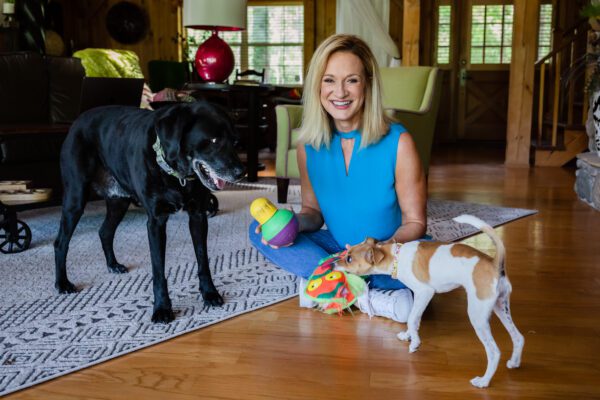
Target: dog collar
{"points": [[395, 254], [160, 159]]}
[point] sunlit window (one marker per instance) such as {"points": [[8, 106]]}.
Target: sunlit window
{"points": [[273, 40], [444, 30], [545, 32], [491, 34]]}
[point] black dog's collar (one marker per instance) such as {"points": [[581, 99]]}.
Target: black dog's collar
{"points": [[160, 159]]}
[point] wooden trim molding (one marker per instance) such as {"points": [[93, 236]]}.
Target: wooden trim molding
{"points": [[410, 32], [520, 93]]}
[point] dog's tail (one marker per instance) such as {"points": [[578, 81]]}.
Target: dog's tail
{"points": [[479, 224]]}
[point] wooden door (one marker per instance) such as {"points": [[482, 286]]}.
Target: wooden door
{"points": [[484, 54]]}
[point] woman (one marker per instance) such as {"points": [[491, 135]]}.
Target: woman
{"points": [[360, 173]]}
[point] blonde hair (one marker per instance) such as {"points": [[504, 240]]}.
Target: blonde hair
{"points": [[317, 124]]}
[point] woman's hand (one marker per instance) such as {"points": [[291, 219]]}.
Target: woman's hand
{"points": [[310, 218]]}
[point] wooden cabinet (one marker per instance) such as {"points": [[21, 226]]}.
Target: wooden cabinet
{"points": [[9, 39]]}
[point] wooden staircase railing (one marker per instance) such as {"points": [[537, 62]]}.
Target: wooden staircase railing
{"points": [[560, 98]]}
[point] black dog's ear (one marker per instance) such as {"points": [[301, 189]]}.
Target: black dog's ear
{"points": [[170, 134]]}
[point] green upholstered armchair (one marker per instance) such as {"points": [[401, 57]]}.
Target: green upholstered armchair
{"points": [[288, 118], [411, 95]]}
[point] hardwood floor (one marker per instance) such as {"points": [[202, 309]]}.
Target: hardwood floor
{"points": [[284, 352]]}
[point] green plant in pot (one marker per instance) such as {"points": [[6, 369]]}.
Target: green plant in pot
{"points": [[592, 12]]}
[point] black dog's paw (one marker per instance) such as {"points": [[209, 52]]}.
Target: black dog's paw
{"points": [[213, 298], [65, 287], [118, 269], [163, 316]]}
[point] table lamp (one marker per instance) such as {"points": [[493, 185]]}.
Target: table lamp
{"points": [[8, 9], [214, 58]]}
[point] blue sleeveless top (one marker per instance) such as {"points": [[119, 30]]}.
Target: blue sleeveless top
{"points": [[363, 202]]}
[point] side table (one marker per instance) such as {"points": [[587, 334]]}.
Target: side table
{"points": [[9, 39]]}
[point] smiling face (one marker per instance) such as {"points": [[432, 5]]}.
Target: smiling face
{"points": [[343, 90]]}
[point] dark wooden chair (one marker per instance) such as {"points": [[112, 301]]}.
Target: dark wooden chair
{"points": [[249, 76], [239, 110]]}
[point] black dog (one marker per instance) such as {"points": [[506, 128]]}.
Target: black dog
{"points": [[152, 158]]}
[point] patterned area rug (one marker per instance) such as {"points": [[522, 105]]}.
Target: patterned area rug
{"points": [[44, 335]]}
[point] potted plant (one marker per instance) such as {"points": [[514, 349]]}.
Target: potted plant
{"points": [[592, 87]]}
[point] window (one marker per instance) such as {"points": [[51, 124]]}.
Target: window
{"points": [[545, 32], [273, 40], [444, 29], [491, 34]]}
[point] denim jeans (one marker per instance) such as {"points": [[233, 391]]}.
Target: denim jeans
{"points": [[303, 256]]}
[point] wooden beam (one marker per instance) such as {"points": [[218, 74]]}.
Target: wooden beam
{"points": [[309, 32], [520, 92], [325, 20], [410, 32], [319, 24]]}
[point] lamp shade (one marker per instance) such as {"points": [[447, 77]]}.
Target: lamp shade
{"points": [[221, 15]]}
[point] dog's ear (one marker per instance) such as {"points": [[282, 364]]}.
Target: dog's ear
{"points": [[370, 240], [378, 255], [369, 256], [374, 256], [169, 135]]}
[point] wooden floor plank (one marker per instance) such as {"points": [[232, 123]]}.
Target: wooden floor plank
{"points": [[283, 352]]}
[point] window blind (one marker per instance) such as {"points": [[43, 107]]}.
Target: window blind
{"points": [[273, 40]]}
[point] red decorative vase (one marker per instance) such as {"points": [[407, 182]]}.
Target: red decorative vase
{"points": [[214, 59]]}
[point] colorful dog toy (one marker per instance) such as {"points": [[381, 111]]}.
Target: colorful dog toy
{"points": [[279, 227], [333, 290]]}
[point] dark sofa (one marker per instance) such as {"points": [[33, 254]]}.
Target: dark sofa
{"points": [[39, 98]]}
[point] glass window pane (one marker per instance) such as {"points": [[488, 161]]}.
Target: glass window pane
{"points": [[545, 30], [257, 57], [478, 14], [443, 55], [476, 55], [493, 35], [292, 20], [506, 55], [508, 13], [477, 35], [493, 14], [258, 26], [276, 23], [545, 34], [444, 14], [492, 55], [231, 37], [444, 35], [507, 39], [546, 13]]}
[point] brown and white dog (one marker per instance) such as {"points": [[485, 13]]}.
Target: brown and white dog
{"points": [[436, 267]]}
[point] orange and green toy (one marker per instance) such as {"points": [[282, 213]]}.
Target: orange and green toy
{"points": [[333, 290], [279, 227]]}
